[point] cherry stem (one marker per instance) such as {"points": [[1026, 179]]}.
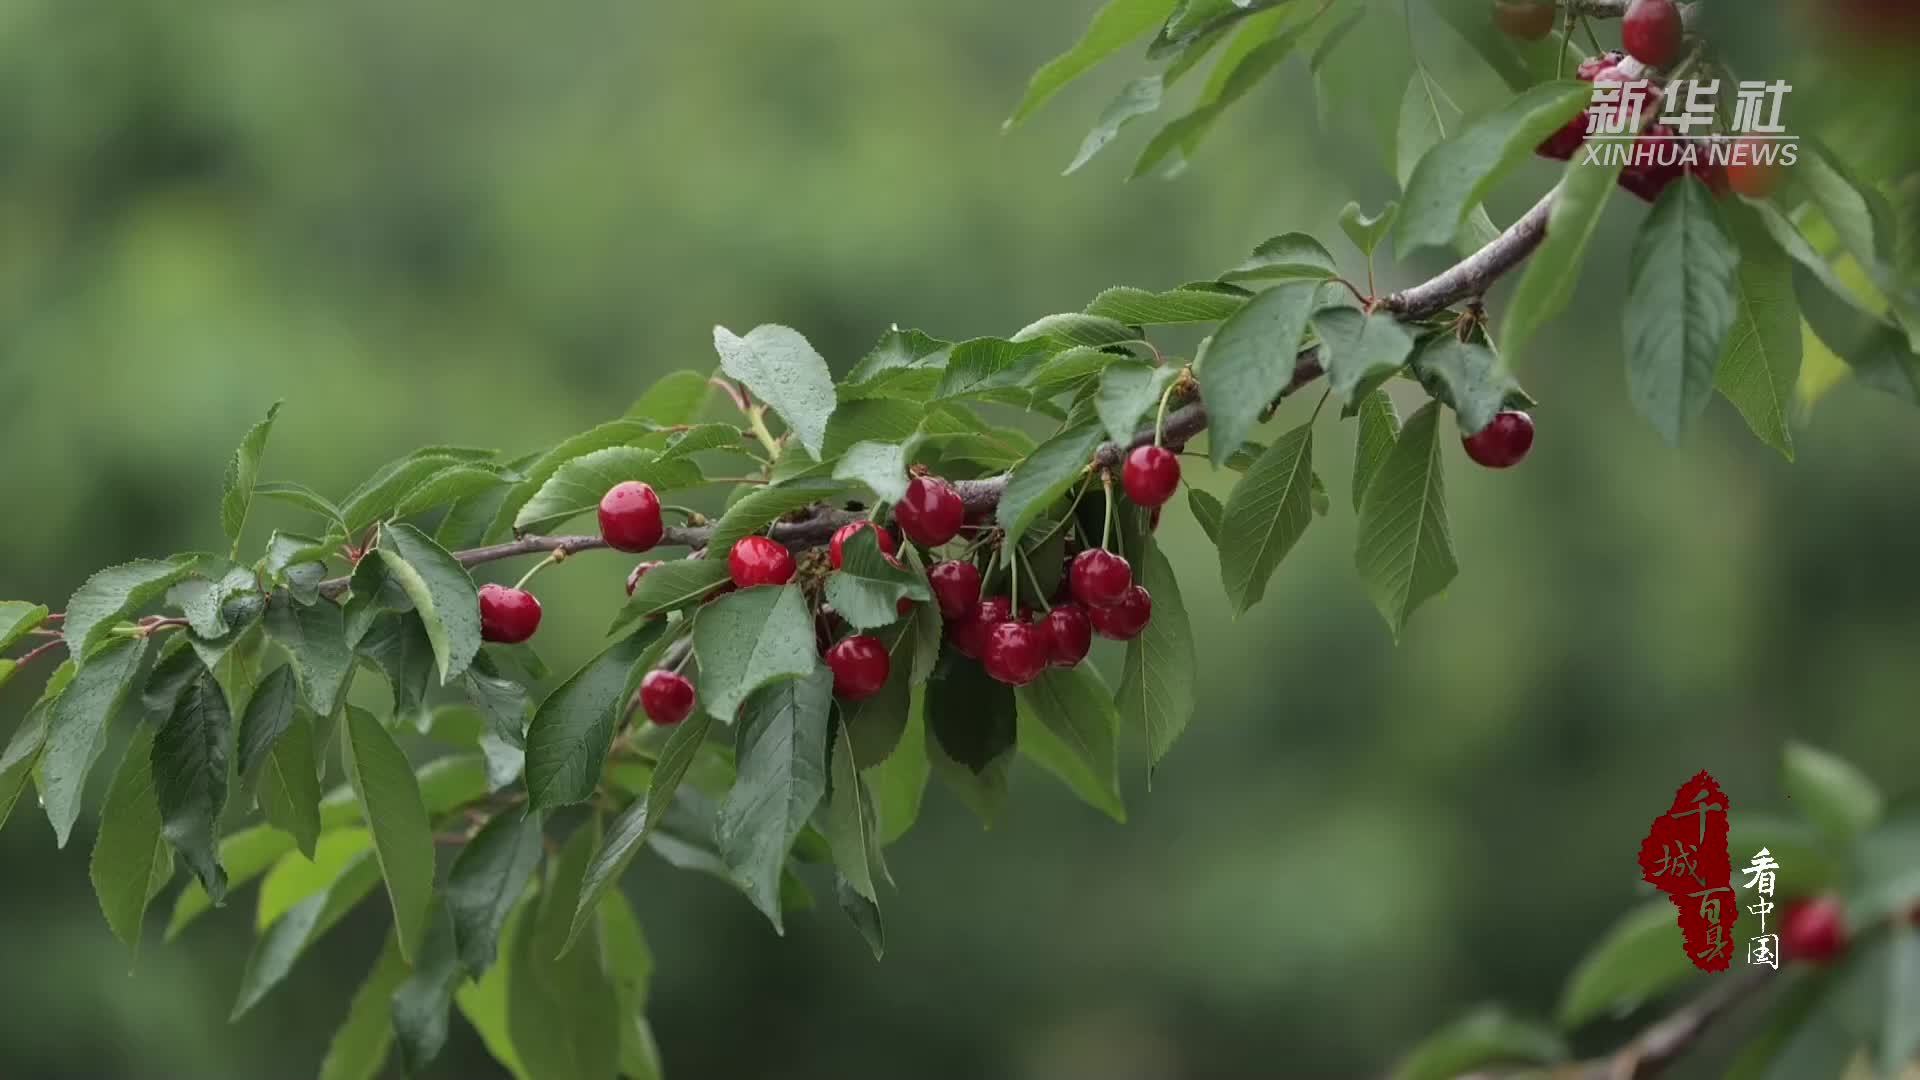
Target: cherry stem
{"points": [[1039, 594], [35, 654], [558, 555], [757, 416], [1160, 418], [687, 512], [1013, 578], [1106, 518]]}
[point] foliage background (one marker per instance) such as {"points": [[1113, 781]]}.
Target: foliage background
{"points": [[494, 224]]}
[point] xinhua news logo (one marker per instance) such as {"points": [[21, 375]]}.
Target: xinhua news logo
{"points": [[1687, 128]]}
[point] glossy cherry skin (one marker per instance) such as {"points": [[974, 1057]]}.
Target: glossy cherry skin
{"points": [[1562, 144], [1099, 578], [666, 696], [1151, 475], [1124, 621], [630, 517], [639, 571], [756, 560], [507, 616], [1814, 930], [1069, 635], [1014, 653], [1653, 33], [860, 667], [956, 586], [1523, 19], [1502, 443], [836, 548], [932, 512], [969, 632], [1747, 174]]}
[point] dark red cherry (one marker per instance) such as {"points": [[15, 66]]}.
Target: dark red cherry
{"points": [[666, 696], [1502, 443], [630, 517], [1099, 578], [835, 548], [969, 632], [1525, 20], [1151, 476], [860, 666], [507, 616], [956, 585], [1124, 621], [1014, 653], [1069, 635], [1814, 930], [756, 560], [1653, 33], [932, 512]]}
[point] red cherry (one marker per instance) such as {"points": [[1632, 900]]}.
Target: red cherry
{"points": [[666, 696], [756, 560], [1523, 19], [1652, 32], [1752, 169], [969, 632], [1069, 635], [860, 666], [1562, 144], [1502, 443], [1658, 160], [1151, 476], [956, 585], [630, 517], [1099, 578], [1124, 620], [1710, 168], [507, 616], [639, 571], [1814, 930], [932, 512], [836, 547], [1015, 653]]}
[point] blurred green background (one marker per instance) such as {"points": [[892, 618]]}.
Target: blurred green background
{"points": [[494, 224]]}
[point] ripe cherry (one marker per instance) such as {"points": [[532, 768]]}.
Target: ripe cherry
{"points": [[1099, 578], [1814, 930], [860, 667], [1652, 32], [1124, 620], [969, 632], [1502, 443], [836, 548], [666, 696], [1015, 653], [1562, 144], [1151, 476], [1069, 635], [756, 560], [956, 585], [1748, 173], [1659, 158], [630, 517], [507, 616], [639, 571], [932, 512], [1523, 19]]}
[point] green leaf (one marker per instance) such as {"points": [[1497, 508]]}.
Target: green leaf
{"points": [[398, 645], [875, 723], [483, 1001], [1829, 790], [442, 592], [29, 740], [381, 493], [424, 998], [672, 586], [868, 587], [973, 724], [243, 471], [882, 467], [1129, 391], [678, 397], [1900, 1037], [1379, 428], [1456, 175], [306, 922], [1367, 232], [1640, 958], [1250, 360], [192, 752], [1207, 510], [1073, 329], [899, 783], [572, 730], [115, 594], [268, 715], [628, 961], [1113, 26], [1157, 683], [359, 1046], [1469, 377], [77, 727], [562, 1008], [1357, 348], [1233, 78], [486, 882], [130, 860], [1288, 257], [303, 497], [1266, 515], [777, 364], [1139, 307], [289, 783], [764, 506], [295, 877], [1546, 286], [1875, 350], [577, 486], [18, 619], [1046, 475], [852, 828], [1419, 128], [1484, 1037], [1137, 98], [1762, 358], [1681, 305], [981, 365], [782, 776], [391, 804], [315, 640], [543, 468], [1405, 549], [1068, 723], [454, 483], [750, 638]]}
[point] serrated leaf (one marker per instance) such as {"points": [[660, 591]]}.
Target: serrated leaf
{"points": [[1250, 360], [1830, 791], [1076, 329], [1207, 510], [1405, 547], [1455, 175], [972, 725], [1484, 1037], [897, 353], [486, 882], [1682, 300], [131, 862], [783, 370], [1137, 98], [1874, 350], [1233, 78], [982, 365], [851, 823], [18, 619], [269, 713], [399, 647], [1367, 232], [899, 784], [748, 639], [1379, 427], [781, 777], [868, 588], [1113, 26], [1287, 257], [1266, 515], [1069, 725], [424, 998], [315, 640], [289, 783], [562, 1008], [303, 497], [243, 471], [1470, 378], [392, 806], [192, 752], [543, 468], [1762, 357], [882, 467], [1140, 307], [483, 1001], [442, 592], [29, 740], [281, 944], [572, 730], [671, 586], [1641, 957], [1357, 348], [453, 483], [114, 594], [358, 1049], [1547, 285], [1157, 683], [1420, 127], [578, 485], [377, 497], [764, 506], [678, 397], [77, 727], [1045, 475], [1129, 391]]}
